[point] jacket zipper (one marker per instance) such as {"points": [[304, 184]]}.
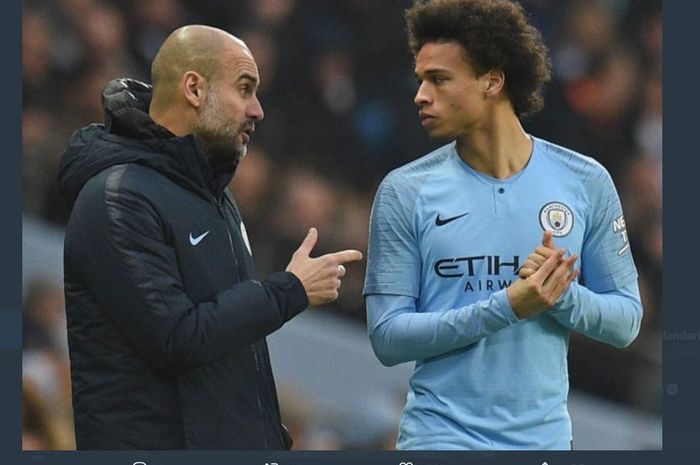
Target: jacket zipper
{"points": [[257, 370], [220, 207], [228, 231]]}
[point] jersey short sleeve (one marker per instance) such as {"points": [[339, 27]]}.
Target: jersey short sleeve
{"points": [[606, 259], [393, 262]]}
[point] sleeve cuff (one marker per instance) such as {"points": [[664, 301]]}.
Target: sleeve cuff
{"points": [[502, 306], [291, 293], [564, 304]]}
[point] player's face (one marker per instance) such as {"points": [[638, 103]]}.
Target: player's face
{"points": [[227, 120], [450, 98]]}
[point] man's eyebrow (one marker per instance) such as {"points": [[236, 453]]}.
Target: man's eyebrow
{"points": [[436, 71], [248, 76], [432, 71]]}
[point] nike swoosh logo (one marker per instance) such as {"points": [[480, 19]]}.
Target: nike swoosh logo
{"points": [[198, 239], [440, 222]]}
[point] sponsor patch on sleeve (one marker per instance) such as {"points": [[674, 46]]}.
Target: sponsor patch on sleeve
{"points": [[619, 227]]}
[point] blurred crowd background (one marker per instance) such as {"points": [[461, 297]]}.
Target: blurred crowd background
{"points": [[337, 89]]}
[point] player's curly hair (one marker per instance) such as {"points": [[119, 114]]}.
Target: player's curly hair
{"points": [[496, 34]]}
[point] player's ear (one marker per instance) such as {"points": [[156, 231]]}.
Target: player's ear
{"points": [[494, 80]]}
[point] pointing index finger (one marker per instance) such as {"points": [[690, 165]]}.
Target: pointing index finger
{"points": [[345, 256]]}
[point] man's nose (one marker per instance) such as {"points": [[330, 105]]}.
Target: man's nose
{"points": [[255, 110], [422, 98]]}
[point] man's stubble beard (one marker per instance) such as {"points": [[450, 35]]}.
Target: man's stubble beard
{"points": [[216, 135]]}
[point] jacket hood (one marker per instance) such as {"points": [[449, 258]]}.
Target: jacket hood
{"points": [[129, 135]]}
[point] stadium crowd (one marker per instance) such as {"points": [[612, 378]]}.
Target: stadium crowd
{"points": [[337, 89]]}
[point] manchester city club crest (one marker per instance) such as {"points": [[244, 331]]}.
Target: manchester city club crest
{"points": [[557, 217]]}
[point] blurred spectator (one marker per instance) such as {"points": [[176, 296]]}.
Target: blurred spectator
{"points": [[38, 433], [587, 30], [37, 63], [304, 199], [46, 392], [44, 317], [39, 158], [46, 400], [154, 20]]}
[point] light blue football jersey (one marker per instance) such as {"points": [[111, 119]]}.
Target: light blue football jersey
{"points": [[445, 242]]}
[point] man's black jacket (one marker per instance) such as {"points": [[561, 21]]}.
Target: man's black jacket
{"points": [[166, 324]]}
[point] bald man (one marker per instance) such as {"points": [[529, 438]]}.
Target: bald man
{"points": [[166, 322]]}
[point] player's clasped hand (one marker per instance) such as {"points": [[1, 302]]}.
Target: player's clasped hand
{"points": [[536, 259], [543, 287], [321, 275]]}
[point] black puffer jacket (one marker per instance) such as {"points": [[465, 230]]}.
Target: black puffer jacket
{"points": [[166, 323]]}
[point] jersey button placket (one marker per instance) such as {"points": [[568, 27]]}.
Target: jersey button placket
{"points": [[500, 200]]}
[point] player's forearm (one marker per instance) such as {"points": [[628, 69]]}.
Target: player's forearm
{"points": [[613, 318], [400, 334]]}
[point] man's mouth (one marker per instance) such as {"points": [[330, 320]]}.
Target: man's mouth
{"points": [[426, 118], [247, 133]]}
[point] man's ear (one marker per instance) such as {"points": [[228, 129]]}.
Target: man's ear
{"points": [[495, 81], [194, 88]]}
